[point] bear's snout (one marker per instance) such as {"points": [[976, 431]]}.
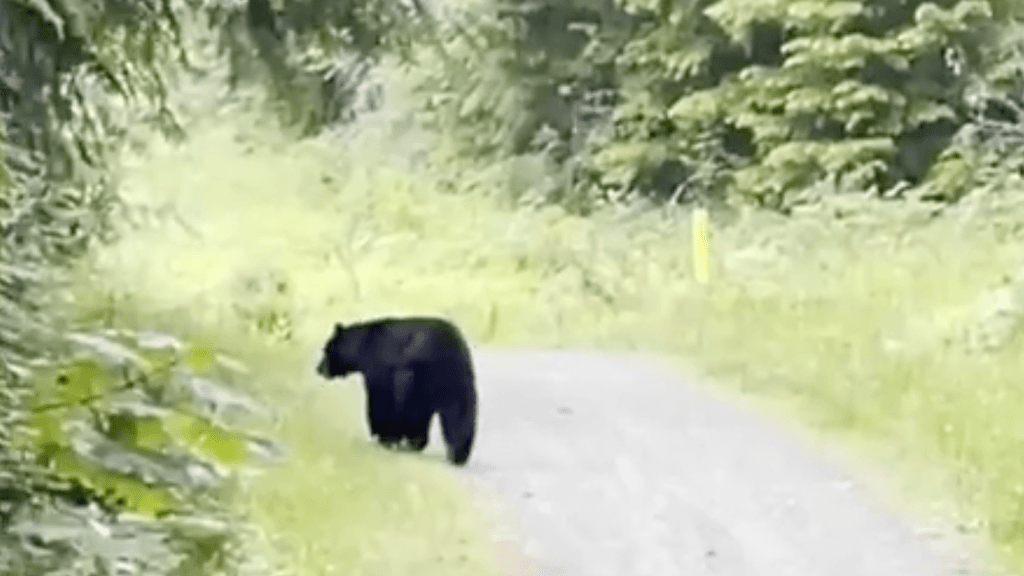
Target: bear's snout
{"points": [[321, 368]]}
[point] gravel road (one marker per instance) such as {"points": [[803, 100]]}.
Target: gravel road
{"points": [[609, 465]]}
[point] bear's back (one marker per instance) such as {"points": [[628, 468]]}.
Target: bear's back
{"points": [[419, 339]]}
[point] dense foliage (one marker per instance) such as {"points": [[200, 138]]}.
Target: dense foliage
{"points": [[313, 54], [118, 450], [756, 99]]}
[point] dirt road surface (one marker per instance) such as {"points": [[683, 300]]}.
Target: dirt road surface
{"points": [[610, 465]]}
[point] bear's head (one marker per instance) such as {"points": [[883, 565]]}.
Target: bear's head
{"points": [[341, 352]]}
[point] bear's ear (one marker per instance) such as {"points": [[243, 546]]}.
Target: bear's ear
{"points": [[338, 328]]}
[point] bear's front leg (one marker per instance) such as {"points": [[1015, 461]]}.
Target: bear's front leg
{"points": [[380, 412]]}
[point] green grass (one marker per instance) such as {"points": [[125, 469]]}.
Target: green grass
{"points": [[861, 327]]}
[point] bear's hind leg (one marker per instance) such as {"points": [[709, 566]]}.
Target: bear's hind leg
{"points": [[418, 428], [458, 423]]}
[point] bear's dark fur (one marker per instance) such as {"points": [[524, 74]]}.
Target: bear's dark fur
{"points": [[412, 367]]}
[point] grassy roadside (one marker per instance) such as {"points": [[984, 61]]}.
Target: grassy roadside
{"points": [[904, 344], [903, 353], [335, 505], [866, 326], [248, 216]]}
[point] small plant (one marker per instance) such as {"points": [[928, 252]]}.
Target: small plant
{"points": [[119, 455]]}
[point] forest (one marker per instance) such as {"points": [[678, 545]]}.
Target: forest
{"points": [[193, 191]]}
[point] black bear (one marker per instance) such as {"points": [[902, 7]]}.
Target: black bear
{"points": [[412, 367]]}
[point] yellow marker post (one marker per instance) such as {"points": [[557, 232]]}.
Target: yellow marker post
{"points": [[701, 246]]}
